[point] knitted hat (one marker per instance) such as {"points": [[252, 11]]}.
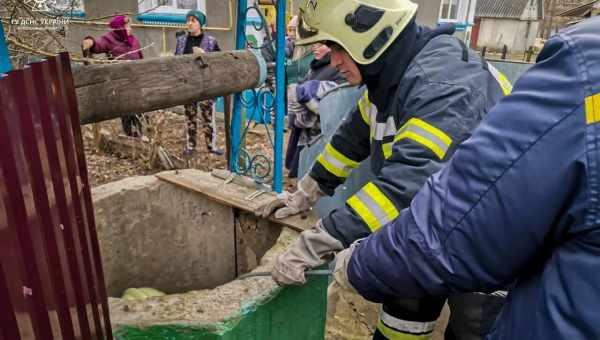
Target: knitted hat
{"points": [[117, 25], [198, 15], [117, 22]]}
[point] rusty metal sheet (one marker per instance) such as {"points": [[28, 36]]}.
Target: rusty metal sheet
{"points": [[50, 269], [70, 101], [29, 301], [45, 202]]}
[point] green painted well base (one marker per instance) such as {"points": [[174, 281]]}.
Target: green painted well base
{"points": [[293, 313]]}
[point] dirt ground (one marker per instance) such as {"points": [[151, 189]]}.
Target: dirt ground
{"points": [[166, 129], [518, 57], [355, 318]]}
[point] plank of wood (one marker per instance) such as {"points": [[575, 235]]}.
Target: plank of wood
{"points": [[247, 182], [108, 91], [232, 194]]}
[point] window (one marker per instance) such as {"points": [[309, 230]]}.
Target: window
{"points": [[66, 5], [56, 6], [449, 10], [170, 6]]}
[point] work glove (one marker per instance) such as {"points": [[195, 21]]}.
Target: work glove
{"points": [[340, 273], [313, 248], [288, 204], [340, 283]]}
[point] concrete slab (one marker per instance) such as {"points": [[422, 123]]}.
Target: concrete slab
{"points": [[192, 246], [201, 307], [153, 234]]}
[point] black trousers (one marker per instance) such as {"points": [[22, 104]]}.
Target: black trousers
{"points": [[472, 315], [132, 125]]}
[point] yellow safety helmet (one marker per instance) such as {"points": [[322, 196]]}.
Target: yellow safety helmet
{"points": [[364, 28]]}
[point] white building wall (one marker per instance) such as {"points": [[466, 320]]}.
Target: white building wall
{"points": [[156, 40], [428, 13], [466, 11], [516, 34], [531, 11]]}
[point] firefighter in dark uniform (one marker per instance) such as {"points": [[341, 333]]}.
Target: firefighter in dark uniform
{"points": [[426, 93]]}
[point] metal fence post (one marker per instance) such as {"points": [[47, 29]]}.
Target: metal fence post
{"points": [[236, 119], [280, 107], [5, 64]]}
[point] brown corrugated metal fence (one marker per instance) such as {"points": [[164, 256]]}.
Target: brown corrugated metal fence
{"points": [[51, 280]]}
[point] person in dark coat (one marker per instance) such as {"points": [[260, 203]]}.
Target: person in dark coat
{"points": [[427, 91], [195, 40], [290, 37], [320, 68], [518, 204], [303, 105], [119, 44]]}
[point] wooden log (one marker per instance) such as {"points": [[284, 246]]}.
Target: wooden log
{"points": [[135, 148], [123, 145], [110, 91]]}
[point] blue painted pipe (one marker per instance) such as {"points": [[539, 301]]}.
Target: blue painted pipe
{"points": [[236, 119], [280, 107], [5, 64], [159, 18]]}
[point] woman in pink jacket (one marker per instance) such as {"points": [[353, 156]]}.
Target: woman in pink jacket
{"points": [[119, 44]]}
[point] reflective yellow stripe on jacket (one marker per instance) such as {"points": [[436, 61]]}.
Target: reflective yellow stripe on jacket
{"points": [[423, 133], [393, 334], [373, 207], [398, 329], [335, 162], [592, 109], [364, 106], [504, 83]]}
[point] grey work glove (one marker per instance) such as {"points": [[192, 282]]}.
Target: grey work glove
{"points": [[313, 248], [340, 273], [288, 204], [340, 283]]}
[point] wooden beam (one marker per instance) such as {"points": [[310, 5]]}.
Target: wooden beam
{"points": [[155, 156], [110, 91]]}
